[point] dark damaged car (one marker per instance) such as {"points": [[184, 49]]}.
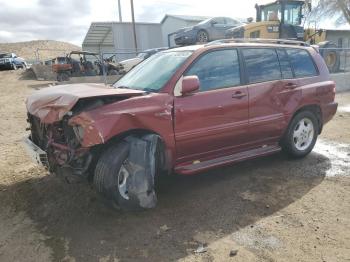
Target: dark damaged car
{"points": [[184, 110], [11, 61]]}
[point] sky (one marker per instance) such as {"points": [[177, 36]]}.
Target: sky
{"points": [[69, 20]]}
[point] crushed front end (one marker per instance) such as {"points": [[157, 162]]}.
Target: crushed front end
{"points": [[57, 145]]}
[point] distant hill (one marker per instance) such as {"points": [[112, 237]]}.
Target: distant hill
{"points": [[50, 49]]}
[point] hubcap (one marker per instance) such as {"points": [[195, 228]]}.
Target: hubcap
{"points": [[122, 178], [303, 134], [202, 37]]}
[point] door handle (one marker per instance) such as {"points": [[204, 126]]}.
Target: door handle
{"points": [[238, 95], [291, 85]]}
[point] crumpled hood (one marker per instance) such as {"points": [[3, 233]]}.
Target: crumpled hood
{"points": [[182, 30], [52, 103]]}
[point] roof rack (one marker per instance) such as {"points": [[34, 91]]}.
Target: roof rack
{"points": [[258, 40]]}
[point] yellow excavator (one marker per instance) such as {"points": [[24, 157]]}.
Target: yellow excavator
{"points": [[283, 20]]}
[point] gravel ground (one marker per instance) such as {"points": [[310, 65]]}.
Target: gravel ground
{"points": [[269, 209]]}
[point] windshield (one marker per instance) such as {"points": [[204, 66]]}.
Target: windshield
{"points": [[152, 74], [204, 21], [5, 55], [271, 13], [292, 14]]}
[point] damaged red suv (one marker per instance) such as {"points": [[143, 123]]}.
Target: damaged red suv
{"points": [[183, 110]]}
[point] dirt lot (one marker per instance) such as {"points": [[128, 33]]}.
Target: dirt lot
{"points": [[270, 209]]}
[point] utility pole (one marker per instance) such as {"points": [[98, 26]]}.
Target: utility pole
{"points": [[133, 24], [120, 11]]}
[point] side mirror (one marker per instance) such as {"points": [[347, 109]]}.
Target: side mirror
{"points": [[190, 84], [213, 23]]}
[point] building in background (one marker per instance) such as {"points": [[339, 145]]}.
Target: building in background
{"points": [[117, 37], [171, 23]]}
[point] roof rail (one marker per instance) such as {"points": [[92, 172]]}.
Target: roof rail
{"points": [[258, 40]]}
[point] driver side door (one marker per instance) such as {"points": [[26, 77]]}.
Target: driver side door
{"points": [[218, 28]]}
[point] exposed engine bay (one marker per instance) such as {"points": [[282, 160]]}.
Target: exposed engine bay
{"points": [[61, 141]]}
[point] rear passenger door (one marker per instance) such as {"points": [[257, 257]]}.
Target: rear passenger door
{"points": [[269, 92]]}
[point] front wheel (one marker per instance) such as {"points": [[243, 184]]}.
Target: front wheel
{"points": [[122, 180], [62, 77], [202, 37], [301, 135]]}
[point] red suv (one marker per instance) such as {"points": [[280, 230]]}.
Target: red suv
{"points": [[183, 110]]}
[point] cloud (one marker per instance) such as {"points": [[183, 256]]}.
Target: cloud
{"points": [[154, 11], [44, 19]]}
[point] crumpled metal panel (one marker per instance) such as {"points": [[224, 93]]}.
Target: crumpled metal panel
{"points": [[141, 166], [52, 103]]}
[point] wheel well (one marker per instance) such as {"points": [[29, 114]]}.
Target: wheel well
{"points": [[314, 109], [97, 150]]}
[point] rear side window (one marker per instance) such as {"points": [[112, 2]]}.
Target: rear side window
{"points": [[217, 69], [286, 68], [261, 64], [301, 62]]}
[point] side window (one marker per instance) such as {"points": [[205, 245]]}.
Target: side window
{"points": [[230, 21], [261, 64], [217, 69], [219, 21], [301, 62], [255, 34], [286, 68]]}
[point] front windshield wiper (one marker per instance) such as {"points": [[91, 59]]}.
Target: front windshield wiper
{"points": [[149, 90], [123, 87]]}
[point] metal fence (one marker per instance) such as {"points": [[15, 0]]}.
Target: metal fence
{"points": [[342, 58]]}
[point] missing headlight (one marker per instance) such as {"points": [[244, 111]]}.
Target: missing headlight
{"points": [[79, 132]]}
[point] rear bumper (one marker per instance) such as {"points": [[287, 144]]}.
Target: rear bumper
{"points": [[328, 111], [38, 155]]}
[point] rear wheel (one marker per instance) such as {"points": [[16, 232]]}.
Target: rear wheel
{"points": [[330, 55], [301, 135], [332, 60]]}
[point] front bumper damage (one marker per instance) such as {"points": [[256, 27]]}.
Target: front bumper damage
{"points": [[38, 155], [56, 146]]}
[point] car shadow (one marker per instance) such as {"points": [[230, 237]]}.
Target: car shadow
{"points": [[219, 201]]}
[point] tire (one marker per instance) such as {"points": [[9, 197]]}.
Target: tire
{"points": [[202, 36], [112, 72], [24, 66], [107, 178], [297, 141], [332, 60], [14, 66], [330, 56], [62, 77]]}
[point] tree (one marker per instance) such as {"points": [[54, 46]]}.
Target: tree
{"points": [[333, 7]]}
